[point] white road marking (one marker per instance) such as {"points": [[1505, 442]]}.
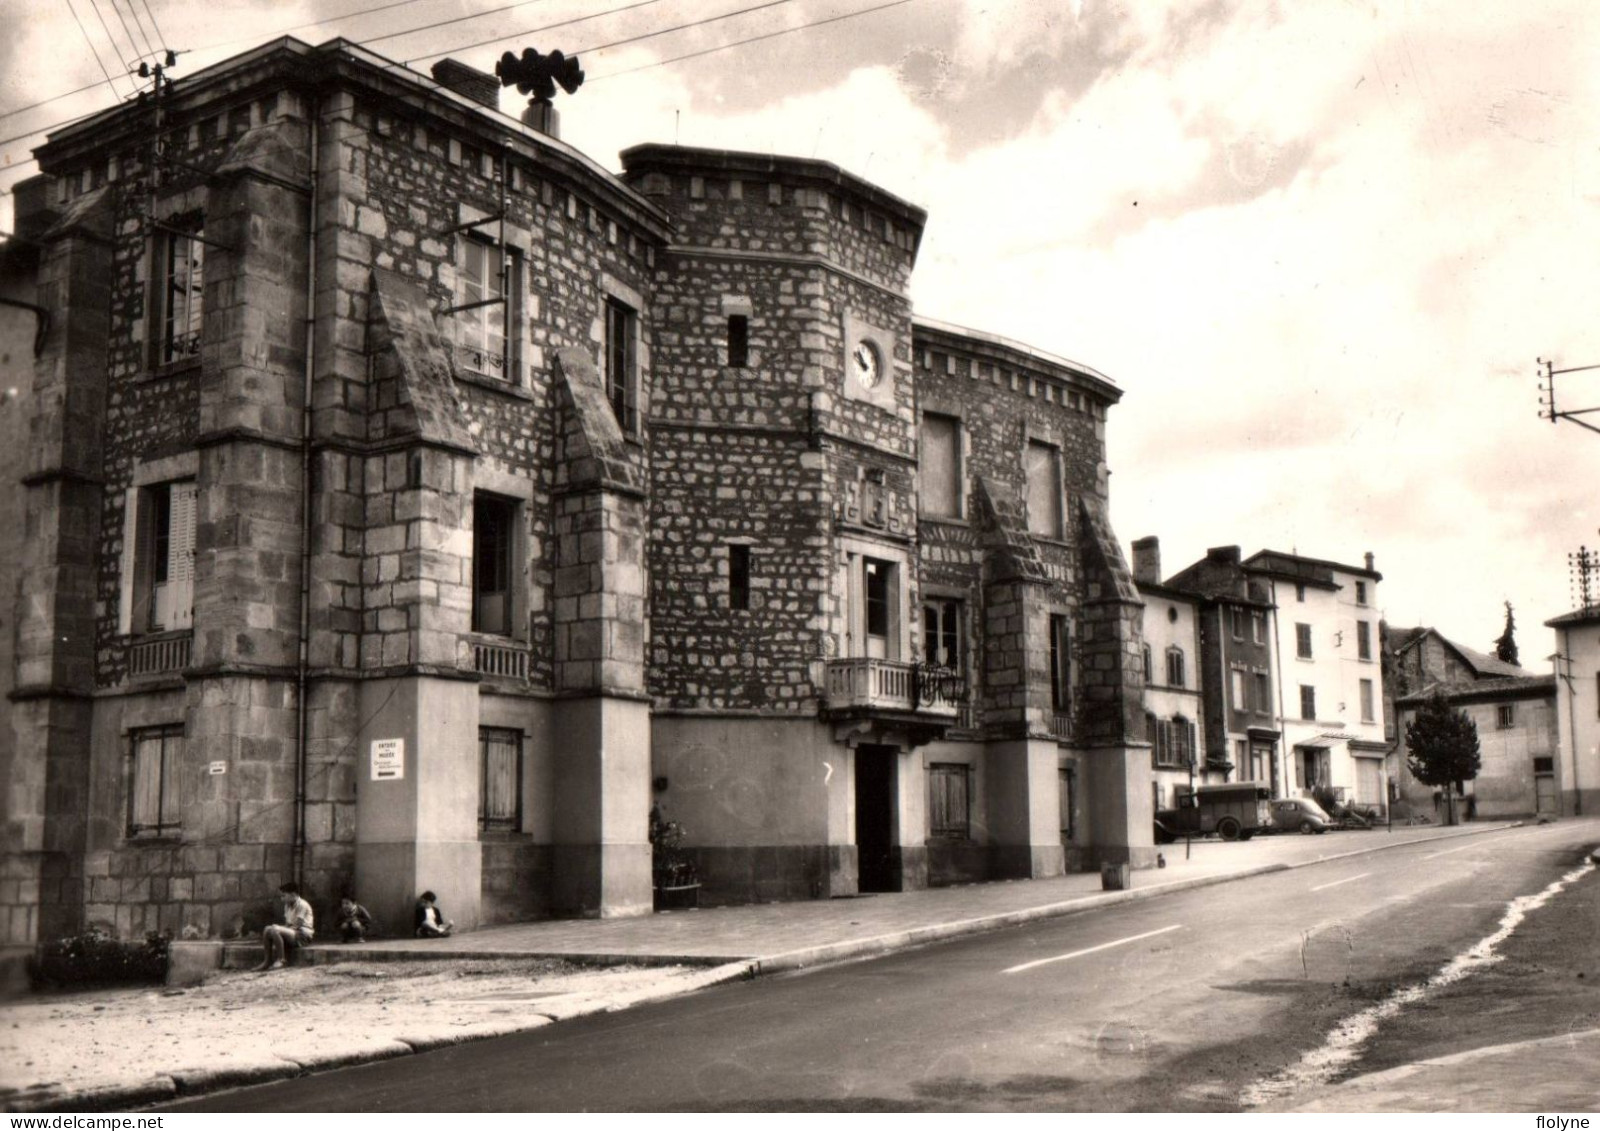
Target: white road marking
{"points": [[1448, 851], [1091, 950], [1346, 880]]}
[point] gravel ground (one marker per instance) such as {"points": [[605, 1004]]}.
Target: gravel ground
{"points": [[314, 1016]]}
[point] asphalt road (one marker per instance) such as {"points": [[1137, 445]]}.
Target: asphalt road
{"points": [[1177, 1003]]}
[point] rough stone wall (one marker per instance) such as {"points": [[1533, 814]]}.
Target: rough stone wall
{"points": [[742, 454], [400, 185], [1000, 405]]}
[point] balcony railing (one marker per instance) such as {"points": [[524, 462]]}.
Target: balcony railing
{"points": [[892, 685], [500, 661], [162, 656], [1060, 725]]}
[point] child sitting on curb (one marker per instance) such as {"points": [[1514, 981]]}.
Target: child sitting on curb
{"points": [[430, 920]]}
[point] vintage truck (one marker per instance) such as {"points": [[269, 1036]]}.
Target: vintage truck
{"points": [[1234, 811]]}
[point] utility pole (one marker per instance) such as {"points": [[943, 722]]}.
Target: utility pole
{"points": [[1549, 409]]}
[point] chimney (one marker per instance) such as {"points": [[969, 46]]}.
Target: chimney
{"points": [[1223, 555], [544, 117], [482, 88], [1370, 559], [1147, 560]]}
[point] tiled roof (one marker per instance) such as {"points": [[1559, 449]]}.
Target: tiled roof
{"points": [[1511, 687], [1581, 616]]}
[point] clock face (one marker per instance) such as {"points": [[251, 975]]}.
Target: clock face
{"points": [[866, 364]]}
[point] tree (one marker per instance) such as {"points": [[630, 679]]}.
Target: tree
{"points": [[1442, 748], [1505, 648]]}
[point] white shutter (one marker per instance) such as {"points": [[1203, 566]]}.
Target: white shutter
{"points": [[130, 555], [180, 557]]}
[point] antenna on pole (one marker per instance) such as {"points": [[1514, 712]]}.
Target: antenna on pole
{"points": [[1548, 409], [1584, 566]]}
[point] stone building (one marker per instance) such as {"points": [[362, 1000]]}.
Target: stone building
{"points": [[1514, 710], [412, 503], [1176, 682], [1237, 676], [1324, 637], [1517, 743]]}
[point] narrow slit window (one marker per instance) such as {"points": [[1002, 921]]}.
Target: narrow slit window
{"points": [[738, 341], [738, 577]]}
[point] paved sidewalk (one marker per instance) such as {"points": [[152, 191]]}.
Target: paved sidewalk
{"points": [[726, 944], [779, 936]]}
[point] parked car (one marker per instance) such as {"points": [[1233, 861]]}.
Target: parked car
{"points": [[1299, 814], [1235, 811]]}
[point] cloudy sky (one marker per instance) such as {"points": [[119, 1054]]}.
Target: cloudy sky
{"points": [[1319, 245]]}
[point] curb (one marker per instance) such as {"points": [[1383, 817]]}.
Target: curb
{"points": [[186, 1083], [921, 936]]}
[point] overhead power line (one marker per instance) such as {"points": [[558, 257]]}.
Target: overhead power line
{"points": [[535, 30], [111, 39], [752, 39], [606, 46], [316, 23], [93, 50], [149, 11], [452, 20], [133, 40]]}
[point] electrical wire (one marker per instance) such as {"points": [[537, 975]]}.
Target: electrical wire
{"points": [[752, 39], [149, 11], [93, 50], [139, 23], [618, 43], [111, 39], [138, 52], [453, 20], [316, 23], [537, 30]]}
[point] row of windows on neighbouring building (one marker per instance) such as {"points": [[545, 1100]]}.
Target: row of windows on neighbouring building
{"points": [[1368, 704], [1177, 673], [1302, 640]]}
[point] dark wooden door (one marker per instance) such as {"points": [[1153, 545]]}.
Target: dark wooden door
{"points": [[875, 800]]}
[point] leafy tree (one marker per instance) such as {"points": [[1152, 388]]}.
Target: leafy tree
{"points": [[1505, 648], [1442, 748]]}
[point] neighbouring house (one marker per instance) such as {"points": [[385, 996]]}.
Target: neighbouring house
{"points": [[1241, 732], [1517, 741], [1330, 680], [1513, 709], [1415, 658], [1174, 681], [412, 503], [1577, 709]]}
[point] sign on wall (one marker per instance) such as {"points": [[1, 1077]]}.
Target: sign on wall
{"points": [[388, 759]]}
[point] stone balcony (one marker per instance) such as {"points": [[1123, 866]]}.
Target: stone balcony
{"points": [[895, 696]]}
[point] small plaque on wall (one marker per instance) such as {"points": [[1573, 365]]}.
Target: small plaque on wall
{"points": [[388, 759], [217, 768]]}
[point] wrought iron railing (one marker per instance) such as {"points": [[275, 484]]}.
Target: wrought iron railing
{"points": [[1059, 724]]}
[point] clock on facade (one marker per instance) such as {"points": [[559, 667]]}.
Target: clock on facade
{"points": [[866, 364]]}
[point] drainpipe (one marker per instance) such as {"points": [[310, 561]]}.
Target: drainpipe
{"points": [[1572, 716], [304, 651], [1277, 663]]}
